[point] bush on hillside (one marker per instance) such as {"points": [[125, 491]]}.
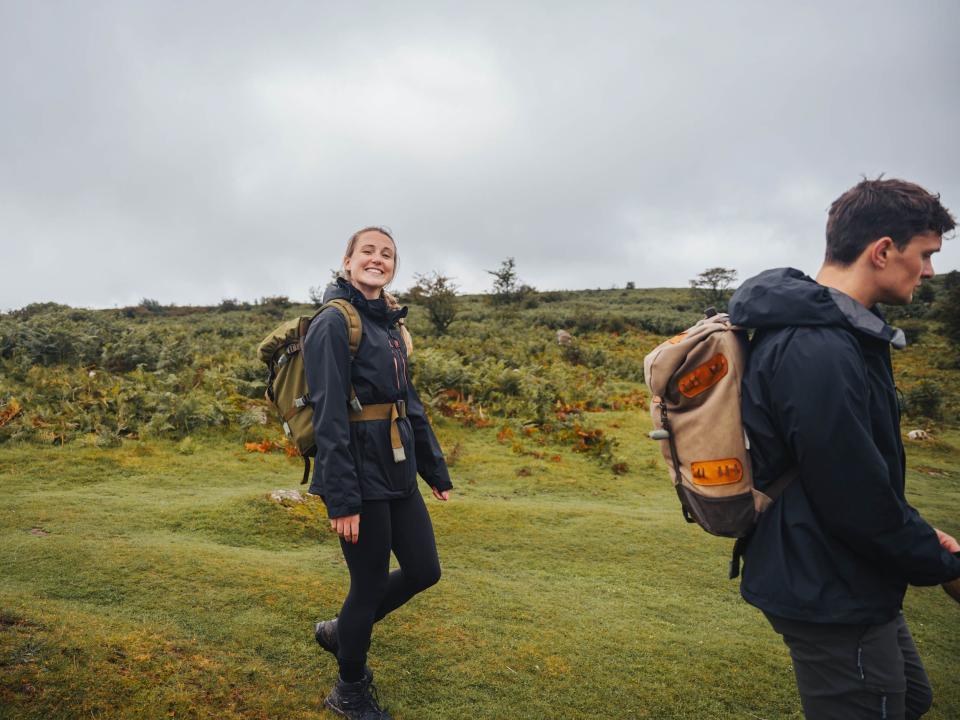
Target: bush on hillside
{"points": [[54, 336], [232, 305], [713, 287], [438, 295], [925, 400], [28, 311], [948, 308], [152, 306], [913, 329]]}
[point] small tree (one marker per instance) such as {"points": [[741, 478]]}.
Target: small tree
{"points": [[711, 288], [438, 294], [507, 288], [505, 282], [316, 291]]}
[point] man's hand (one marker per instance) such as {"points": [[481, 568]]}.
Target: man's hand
{"points": [[444, 495], [347, 527], [948, 542]]}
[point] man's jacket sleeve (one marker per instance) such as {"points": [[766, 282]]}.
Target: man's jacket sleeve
{"points": [[326, 354], [430, 463], [820, 394]]}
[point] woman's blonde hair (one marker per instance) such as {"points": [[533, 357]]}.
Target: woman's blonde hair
{"points": [[391, 301]]}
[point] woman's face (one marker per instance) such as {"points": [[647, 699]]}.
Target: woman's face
{"points": [[371, 263]]}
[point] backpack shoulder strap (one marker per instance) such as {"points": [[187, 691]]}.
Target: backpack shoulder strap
{"points": [[354, 333], [352, 318]]}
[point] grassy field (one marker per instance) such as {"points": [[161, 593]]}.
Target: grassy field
{"points": [[144, 573], [156, 580]]}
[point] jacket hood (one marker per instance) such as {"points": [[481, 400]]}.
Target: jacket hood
{"points": [[342, 289], [786, 297]]}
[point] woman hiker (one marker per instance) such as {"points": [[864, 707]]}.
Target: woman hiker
{"points": [[372, 439]]}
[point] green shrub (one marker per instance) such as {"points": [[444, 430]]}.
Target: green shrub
{"points": [[152, 306], [913, 329], [924, 400]]}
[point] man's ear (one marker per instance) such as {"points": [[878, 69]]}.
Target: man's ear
{"points": [[879, 251]]}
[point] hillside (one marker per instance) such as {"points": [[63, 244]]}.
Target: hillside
{"points": [[147, 574], [103, 376]]}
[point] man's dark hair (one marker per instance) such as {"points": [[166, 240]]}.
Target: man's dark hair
{"points": [[873, 209]]}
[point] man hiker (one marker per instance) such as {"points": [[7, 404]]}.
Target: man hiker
{"points": [[830, 561]]}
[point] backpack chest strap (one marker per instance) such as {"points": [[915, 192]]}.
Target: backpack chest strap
{"points": [[386, 411]]}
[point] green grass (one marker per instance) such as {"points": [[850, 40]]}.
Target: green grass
{"points": [[142, 582]]}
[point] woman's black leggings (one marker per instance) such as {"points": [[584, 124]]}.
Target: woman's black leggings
{"points": [[404, 527]]}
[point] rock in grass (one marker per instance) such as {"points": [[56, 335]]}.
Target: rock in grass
{"points": [[287, 497], [918, 435]]}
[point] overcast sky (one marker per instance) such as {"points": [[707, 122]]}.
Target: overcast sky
{"points": [[193, 151]]}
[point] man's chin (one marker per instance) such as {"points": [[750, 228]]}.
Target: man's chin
{"points": [[894, 296]]}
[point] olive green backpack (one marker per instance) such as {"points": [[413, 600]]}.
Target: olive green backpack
{"points": [[287, 390]]}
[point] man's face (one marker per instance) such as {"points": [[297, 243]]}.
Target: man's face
{"points": [[907, 268]]}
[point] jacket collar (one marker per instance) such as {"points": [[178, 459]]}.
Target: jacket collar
{"points": [[869, 322], [376, 309]]}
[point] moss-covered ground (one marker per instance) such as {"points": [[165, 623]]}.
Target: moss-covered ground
{"points": [[156, 580]]}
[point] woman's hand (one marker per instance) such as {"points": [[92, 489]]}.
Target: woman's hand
{"points": [[347, 527], [443, 495], [947, 542]]}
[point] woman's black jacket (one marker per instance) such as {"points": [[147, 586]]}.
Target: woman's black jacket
{"points": [[842, 543], [354, 461]]}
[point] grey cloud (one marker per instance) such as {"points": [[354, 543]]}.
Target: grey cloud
{"points": [[190, 152]]}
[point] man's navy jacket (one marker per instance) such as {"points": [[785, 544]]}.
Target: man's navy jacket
{"points": [[842, 543]]}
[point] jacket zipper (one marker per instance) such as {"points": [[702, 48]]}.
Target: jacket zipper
{"points": [[394, 345]]}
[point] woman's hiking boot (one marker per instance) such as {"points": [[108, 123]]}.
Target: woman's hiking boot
{"points": [[325, 633], [356, 701]]}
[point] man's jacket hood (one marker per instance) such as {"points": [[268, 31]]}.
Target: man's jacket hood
{"points": [[785, 297]]}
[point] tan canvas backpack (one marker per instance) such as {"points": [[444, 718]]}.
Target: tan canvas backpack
{"points": [[695, 405]]}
